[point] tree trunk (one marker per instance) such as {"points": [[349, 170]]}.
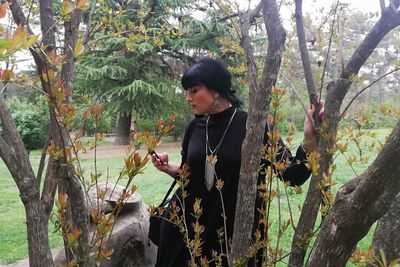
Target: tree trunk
{"points": [[37, 233], [358, 205], [259, 99], [68, 181], [387, 237], [123, 130], [15, 157]]}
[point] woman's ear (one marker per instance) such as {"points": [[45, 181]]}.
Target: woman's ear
{"points": [[215, 94]]}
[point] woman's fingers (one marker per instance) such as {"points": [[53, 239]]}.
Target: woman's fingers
{"points": [[159, 159], [321, 108]]}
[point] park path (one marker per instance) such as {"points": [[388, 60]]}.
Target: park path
{"points": [[109, 150]]}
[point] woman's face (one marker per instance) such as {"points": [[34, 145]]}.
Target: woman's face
{"points": [[201, 99]]}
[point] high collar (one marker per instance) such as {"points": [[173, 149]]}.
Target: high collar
{"points": [[221, 116]]}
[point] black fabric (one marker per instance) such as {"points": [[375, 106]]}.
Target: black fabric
{"points": [[155, 221], [172, 251]]}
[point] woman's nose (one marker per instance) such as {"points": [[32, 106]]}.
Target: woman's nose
{"points": [[188, 98]]}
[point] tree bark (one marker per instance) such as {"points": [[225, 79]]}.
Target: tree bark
{"points": [[336, 92], [257, 117], [386, 237], [305, 58], [358, 205], [123, 129], [57, 169], [47, 24], [14, 155], [69, 182]]}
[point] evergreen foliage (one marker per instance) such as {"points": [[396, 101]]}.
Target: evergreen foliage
{"points": [[32, 121]]}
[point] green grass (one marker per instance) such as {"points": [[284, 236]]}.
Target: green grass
{"points": [[152, 186]]}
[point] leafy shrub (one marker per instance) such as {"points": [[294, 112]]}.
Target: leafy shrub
{"points": [[32, 121], [88, 126], [283, 126], [148, 123]]}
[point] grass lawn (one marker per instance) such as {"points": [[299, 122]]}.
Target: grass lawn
{"points": [[152, 186]]}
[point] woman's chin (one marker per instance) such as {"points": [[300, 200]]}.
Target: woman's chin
{"points": [[197, 112]]}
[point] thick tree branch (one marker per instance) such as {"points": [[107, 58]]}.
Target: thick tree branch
{"points": [[12, 140], [388, 21], [379, 185], [386, 165], [386, 237], [382, 5], [336, 92]]}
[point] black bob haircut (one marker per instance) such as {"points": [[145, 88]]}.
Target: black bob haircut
{"points": [[214, 75]]}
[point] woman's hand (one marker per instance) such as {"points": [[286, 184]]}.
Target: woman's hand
{"points": [[310, 138], [161, 162]]}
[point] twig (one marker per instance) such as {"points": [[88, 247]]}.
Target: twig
{"points": [[29, 12], [328, 52], [4, 88], [230, 18], [279, 219], [43, 156], [290, 209], [365, 88]]}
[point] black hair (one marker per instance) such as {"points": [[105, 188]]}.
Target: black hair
{"points": [[214, 75]]}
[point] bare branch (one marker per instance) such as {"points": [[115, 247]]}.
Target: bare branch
{"points": [[305, 59], [253, 13], [329, 49], [18, 14], [10, 134], [49, 187], [365, 88], [389, 20], [296, 94], [29, 12], [230, 18], [7, 154], [43, 156], [382, 5]]}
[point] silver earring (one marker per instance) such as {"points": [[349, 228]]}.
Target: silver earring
{"points": [[215, 103]]}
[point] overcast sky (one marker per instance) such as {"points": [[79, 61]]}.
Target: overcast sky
{"points": [[308, 6], [363, 5]]}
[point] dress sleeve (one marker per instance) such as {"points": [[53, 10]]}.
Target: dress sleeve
{"points": [[297, 172]]}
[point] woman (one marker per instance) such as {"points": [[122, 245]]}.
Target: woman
{"points": [[218, 129]]}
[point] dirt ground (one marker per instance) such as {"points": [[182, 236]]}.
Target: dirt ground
{"points": [[20, 263], [109, 150]]}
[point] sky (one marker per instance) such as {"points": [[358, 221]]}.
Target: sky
{"points": [[363, 5], [308, 6]]}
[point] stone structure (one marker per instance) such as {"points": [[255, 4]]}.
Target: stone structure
{"points": [[129, 237]]}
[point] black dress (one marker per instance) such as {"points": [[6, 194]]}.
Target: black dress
{"points": [[172, 250]]}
